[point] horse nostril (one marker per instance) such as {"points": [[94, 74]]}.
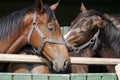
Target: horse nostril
{"points": [[65, 64], [61, 66], [55, 67]]}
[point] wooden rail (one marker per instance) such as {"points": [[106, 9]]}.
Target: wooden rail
{"points": [[74, 60]]}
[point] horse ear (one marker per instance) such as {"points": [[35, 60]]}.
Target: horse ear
{"points": [[39, 6], [54, 6], [83, 8]]}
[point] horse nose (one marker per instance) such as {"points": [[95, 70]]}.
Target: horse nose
{"points": [[57, 66]]}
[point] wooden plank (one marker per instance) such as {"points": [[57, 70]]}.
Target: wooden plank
{"points": [[95, 61], [109, 76], [78, 77], [22, 77], [94, 76], [4, 76], [20, 58], [59, 77], [40, 77], [15, 58]]}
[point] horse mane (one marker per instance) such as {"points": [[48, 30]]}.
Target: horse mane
{"points": [[115, 15], [90, 13], [12, 22], [111, 36], [49, 12], [87, 14]]}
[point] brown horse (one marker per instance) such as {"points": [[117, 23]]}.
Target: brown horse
{"points": [[92, 23], [73, 39], [37, 26]]}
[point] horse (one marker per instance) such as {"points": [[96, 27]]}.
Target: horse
{"points": [[92, 26], [35, 25], [39, 68], [73, 40]]}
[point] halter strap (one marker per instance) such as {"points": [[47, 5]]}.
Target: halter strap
{"points": [[34, 17], [31, 30], [44, 38], [91, 43]]}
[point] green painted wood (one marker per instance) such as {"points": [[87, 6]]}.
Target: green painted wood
{"points": [[109, 76], [82, 76], [4, 76], [59, 77], [40, 77], [64, 29], [22, 77], [94, 76], [78, 77]]}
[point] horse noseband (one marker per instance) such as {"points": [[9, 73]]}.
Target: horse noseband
{"points": [[44, 38]]}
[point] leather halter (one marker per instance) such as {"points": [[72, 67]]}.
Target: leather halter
{"points": [[44, 38], [92, 43]]}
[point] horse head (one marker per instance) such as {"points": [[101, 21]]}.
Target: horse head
{"points": [[44, 34], [84, 27]]}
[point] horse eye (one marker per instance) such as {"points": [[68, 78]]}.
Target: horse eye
{"points": [[81, 32], [50, 28]]}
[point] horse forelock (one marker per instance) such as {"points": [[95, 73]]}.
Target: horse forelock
{"points": [[91, 12], [49, 12], [87, 14]]}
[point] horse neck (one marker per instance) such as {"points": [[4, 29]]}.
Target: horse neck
{"points": [[8, 42], [19, 34]]}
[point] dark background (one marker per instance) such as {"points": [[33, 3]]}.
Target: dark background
{"points": [[67, 9]]}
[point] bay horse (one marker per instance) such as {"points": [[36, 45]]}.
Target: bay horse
{"points": [[89, 23], [35, 25], [75, 40]]}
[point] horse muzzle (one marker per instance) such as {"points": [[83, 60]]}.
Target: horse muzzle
{"points": [[60, 65]]}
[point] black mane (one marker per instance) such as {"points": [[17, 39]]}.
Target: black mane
{"points": [[49, 12], [111, 37], [90, 13], [12, 22]]}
